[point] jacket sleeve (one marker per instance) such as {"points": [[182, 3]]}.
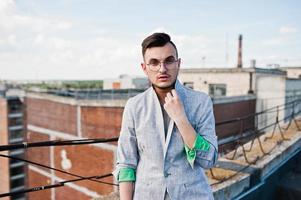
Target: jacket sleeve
{"points": [[127, 151], [200, 144], [205, 150]]}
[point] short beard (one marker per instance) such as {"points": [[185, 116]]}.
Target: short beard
{"points": [[171, 86]]}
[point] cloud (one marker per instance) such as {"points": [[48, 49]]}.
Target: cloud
{"points": [[276, 41], [12, 20], [7, 6], [287, 29], [193, 47], [39, 47], [47, 54]]}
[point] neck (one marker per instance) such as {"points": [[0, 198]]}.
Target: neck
{"points": [[161, 92]]}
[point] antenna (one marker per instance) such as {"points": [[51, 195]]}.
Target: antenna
{"points": [[226, 51]]}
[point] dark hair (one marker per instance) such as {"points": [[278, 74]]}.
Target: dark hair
{"points": [[156, 40]]}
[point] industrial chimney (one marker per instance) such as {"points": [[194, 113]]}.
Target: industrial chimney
{"points": [[239, 61]]}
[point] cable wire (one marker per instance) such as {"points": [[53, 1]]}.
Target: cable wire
{"points": [[58, 184], [48, 167], [25, 145]]}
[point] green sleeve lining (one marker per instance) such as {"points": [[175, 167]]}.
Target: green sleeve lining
{"points": [[199, 144], [126, 175]]}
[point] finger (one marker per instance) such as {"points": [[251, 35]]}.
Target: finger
{"points": [[168, 95], [174, 93], [166, 99]]}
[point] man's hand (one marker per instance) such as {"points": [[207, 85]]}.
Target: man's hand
{"points": [[174, 107]]}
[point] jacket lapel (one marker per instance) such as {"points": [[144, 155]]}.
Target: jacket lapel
{"points": [[158, 117], [169, 132]]}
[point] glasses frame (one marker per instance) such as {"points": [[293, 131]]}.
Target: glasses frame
{"points": [[168, 65]]}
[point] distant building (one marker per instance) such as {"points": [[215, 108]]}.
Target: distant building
{"points": [[12, 172], [52, 117], [126, 82], [268, 85], [292, 72], [232, 81]]}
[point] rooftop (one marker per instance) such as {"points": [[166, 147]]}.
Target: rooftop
{"points": [[273, 71]]}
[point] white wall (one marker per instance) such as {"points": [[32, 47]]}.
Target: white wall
{"points": [[126, 82], [270, 92], [293, 72], [236, 83], [108, 83]]}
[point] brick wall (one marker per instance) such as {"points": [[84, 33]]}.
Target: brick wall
{"points": [[36, 179], [4, 162], [51, 115], [103, 122], [49, 118]]}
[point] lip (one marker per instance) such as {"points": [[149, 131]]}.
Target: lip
{"points": [[163, 77]]}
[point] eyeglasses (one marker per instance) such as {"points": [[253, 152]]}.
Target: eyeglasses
{"points": [[169, 63]]}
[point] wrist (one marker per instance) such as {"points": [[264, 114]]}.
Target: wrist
{"points": [[181, 120]]}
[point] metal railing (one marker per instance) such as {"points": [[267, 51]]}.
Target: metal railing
{"points": [[257, 132]]}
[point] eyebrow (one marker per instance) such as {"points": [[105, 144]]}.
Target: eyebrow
{"points": [[168, 57]]}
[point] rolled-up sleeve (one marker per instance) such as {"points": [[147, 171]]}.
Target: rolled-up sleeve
{"points": [[126, 175], [127, 151], [206, 148], [200, 144]]}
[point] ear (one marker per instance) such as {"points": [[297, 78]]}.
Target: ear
{"points": [[179, 63], [143, 66]]}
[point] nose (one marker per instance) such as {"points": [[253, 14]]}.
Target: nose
{"points": [[162, 67]]}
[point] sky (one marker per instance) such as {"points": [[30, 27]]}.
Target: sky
{"points": [[99, 39]]}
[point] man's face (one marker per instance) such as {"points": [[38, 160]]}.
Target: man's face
{"points": [[164, 74]]}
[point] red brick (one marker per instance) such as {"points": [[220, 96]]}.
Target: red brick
{"points": [[52, 115], [36, 179], [68, 193], [101, 122], [87, 160], [38, 154], [4, 162]]}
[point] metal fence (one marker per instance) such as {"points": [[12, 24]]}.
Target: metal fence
{"points": [[97, 94]]}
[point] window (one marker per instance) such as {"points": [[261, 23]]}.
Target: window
{"points": [[14, 134], [16, 121], [15, 106], [17, 177], [17, 181], [216, 90], [16, 170]]}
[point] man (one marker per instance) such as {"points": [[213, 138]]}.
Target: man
{"points": [[167, 135]]}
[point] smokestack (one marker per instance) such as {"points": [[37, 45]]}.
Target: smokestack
{"points": [[239, 61]]}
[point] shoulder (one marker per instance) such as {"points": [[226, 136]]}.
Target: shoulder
{"points": [[196, 95], [136, 100]]}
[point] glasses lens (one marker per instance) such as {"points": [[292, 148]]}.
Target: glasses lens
{"points": [[169, 63], [170, 60], [154, 62]]}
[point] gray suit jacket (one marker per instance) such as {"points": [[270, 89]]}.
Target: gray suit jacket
{"points": [[161, 164]]}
